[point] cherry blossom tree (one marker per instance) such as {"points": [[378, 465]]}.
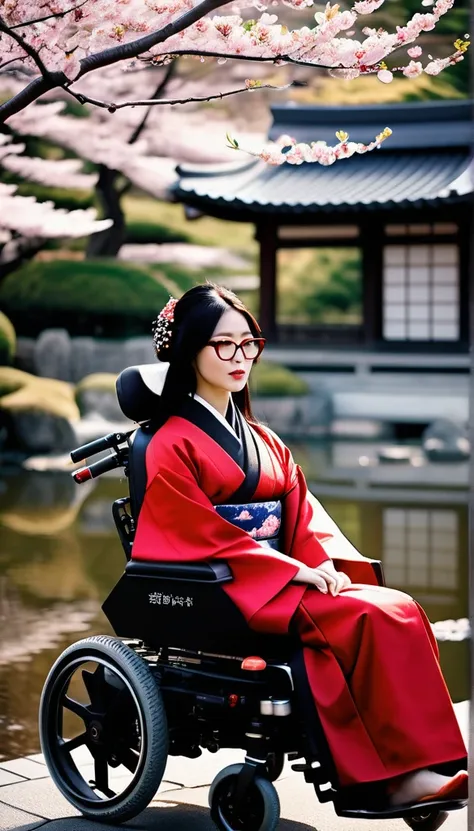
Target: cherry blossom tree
{"points": [[60, 43], [25, 223], [141, 151]]}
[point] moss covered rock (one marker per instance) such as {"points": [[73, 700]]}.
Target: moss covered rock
{"points": [[12, 379], [96, 394], [39, 412]]}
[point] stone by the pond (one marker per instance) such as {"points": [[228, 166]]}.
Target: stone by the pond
{"points": [[52, 354], [305, 415], [395, 454], [446, 441], [39, 432]]}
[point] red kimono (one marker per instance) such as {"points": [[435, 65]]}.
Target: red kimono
{"points": [[370, 654]]}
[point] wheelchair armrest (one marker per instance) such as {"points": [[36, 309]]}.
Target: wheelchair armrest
{"points": [[209, 572]]}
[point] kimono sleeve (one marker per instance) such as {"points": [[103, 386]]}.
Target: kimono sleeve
{"points": [[311, 536], [178, 522]]}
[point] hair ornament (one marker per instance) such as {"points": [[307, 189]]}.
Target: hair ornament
{"points": [[162, 326]]}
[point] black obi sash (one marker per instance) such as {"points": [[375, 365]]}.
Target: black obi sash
{"points": [[261, 520]]}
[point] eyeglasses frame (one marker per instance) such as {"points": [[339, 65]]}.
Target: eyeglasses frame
{"points": [[241, 345]]}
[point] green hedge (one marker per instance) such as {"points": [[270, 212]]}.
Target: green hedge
{"points": [[7, 340], [142, 232], [273, 380], [104, 298]]}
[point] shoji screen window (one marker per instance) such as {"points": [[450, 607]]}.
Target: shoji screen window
{"points": [[421, 292]]}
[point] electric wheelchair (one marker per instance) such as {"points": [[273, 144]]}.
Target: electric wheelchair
{"points": [[184, 673]]}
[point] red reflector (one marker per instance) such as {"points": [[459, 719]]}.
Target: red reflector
{"points": [[82, 475], [253, 663], [233, 700]]}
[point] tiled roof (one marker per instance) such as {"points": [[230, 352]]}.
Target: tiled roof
{"points": [[375, 181], [424, 163]]}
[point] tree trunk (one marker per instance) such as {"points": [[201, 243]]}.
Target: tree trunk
{"points": [[108, 243]]}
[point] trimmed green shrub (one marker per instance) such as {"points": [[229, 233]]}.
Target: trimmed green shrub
{"points": [[7, 340], [269, 379], [104, 297], [146, 232]]}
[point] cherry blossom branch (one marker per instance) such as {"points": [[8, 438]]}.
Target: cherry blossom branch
{"points": [[287, 150], [148, 102], [137, 47], [32, 53], [170, 70], [106, 57], [52, 16]]}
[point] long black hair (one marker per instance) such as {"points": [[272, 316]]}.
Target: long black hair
{"points": [[196, 316]]}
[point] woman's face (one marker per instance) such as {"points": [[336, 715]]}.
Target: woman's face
{"points": [[225, 375]]}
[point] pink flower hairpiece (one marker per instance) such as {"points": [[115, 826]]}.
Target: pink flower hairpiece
{"points": [[162, 326]]}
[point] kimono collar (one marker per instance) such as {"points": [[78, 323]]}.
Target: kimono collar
{"points": [[243, 451], [229, 421]]}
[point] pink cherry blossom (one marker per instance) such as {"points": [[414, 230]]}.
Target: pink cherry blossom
{"points": [[415, 51], [413, 69]]}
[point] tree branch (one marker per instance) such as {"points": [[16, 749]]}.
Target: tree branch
{"points": [[32, 53], [48, 17], [50, 80], [170, 70], [144, 44], [149, 102], [7, 63]]}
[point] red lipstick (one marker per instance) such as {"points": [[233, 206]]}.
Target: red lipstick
{"points": [[237, 373]]}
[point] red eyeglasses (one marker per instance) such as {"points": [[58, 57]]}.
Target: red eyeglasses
{"points": [[227, 349]]}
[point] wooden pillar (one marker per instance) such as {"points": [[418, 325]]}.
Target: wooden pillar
{"points": [[268, 239], [371, 243], [466, 274]]}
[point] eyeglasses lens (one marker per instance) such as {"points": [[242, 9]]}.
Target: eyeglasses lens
{"points": [[226, 350]]}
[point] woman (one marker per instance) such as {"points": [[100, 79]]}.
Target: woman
{"points": [[370, 654]]}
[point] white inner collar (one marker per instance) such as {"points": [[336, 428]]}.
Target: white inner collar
{"points": [[215, 413]]}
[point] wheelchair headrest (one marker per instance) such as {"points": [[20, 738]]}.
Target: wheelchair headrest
{"points": [[139, 389]]}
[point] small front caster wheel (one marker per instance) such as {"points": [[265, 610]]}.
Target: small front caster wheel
{"points": [[427, 822], [258, 811], [274, 766]]}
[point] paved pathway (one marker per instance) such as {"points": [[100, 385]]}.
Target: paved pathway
{"points": [[29, 800]]}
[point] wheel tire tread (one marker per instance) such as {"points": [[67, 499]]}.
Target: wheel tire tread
{"points": [[272, 813], [131, 663]]}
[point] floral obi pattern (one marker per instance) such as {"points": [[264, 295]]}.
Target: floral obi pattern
{"points": [[261, 520]]}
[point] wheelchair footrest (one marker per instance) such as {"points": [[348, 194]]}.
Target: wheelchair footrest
{"points": [[313, 771], [418, 809]]}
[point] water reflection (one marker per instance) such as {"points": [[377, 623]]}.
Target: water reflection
{"points": [[60, 557]]}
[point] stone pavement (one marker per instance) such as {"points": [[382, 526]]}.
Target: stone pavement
{"points": [[29, 799]]}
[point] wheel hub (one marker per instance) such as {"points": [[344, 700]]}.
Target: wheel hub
{"points": [[96, 731]]}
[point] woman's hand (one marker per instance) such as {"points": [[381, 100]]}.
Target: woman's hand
{"points": [[336, 580], [325, 578]]}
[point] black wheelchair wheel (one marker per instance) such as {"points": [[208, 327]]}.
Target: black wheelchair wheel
{"points": [[103, 729], [274, 765], [427, 822], [260, 810]]}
